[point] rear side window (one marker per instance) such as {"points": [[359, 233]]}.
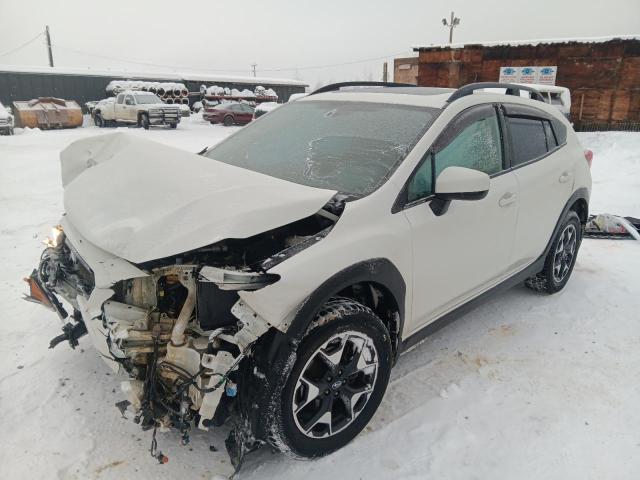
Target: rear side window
{"points": [[528, 139], [552, 142]]}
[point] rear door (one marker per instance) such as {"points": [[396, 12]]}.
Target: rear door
{"points": [[544, 173]]}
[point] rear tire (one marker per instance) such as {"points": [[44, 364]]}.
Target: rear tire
{"points": [[228, 121], [336, 384], [561, 258]]}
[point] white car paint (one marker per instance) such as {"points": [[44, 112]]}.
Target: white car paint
{"points": [[141, 200]]}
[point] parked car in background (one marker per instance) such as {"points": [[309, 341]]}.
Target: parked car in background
{"points": [[89, 106], [263, 108], [559, 97], [6, 121], [142, 108], [230, 113]]}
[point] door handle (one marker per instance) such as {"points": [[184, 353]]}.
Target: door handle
{"points": [[507, 199], [564, 177]]}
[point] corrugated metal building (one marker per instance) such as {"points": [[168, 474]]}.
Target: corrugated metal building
{"points": [[603, 74], [81, 85]]}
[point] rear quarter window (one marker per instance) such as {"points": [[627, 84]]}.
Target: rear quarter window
{"points": [[528, 139]]}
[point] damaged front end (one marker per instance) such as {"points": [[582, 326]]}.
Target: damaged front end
{"points": [[177, 325]]}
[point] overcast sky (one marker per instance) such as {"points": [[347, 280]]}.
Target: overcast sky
{"points": [[285, 38]]}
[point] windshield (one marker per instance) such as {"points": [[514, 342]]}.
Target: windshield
{"points": [[351, 147], [147, 99]]}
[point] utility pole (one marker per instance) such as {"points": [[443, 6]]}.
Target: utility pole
{"points": [[453, 23], [385, 74], [253, 66], [48, 37]]}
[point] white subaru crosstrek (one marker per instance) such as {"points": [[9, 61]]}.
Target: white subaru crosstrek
{"points": [[272, 280]]}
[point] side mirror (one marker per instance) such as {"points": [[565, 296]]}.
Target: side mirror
{"points": [[458, 183]]}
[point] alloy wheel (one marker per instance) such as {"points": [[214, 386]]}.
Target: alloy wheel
{"points": [[564, 253], [335, 384]]}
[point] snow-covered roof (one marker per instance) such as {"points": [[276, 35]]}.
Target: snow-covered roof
{"points": [[518, 43], [173, 76]]}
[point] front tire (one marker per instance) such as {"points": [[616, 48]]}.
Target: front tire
{"points": [[228, 121], [99, 121], [561, 258], [337, 382], [144, 121]]}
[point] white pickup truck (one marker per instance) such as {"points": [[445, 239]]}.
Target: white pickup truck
{"points": [[142, 108]]}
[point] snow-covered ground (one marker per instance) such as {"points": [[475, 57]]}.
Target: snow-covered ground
{"points": [[523, 387]]}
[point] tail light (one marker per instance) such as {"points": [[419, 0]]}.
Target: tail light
{"points": [[588, 155]]}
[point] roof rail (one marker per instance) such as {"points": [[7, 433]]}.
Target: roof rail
{"points": [[337, 86], [511, 89]]}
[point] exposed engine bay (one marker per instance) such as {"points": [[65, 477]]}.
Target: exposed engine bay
{"points": [[181, 331]]}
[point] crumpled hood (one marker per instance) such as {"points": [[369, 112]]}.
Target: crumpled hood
{"points": [[141, 200]]}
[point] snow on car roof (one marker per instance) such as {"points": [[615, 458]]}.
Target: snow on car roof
{"points": [[517, 43], [544, 88]]}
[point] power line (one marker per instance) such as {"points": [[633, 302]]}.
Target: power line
{"points": [[134, 62], [354, 62], [20, 47], [173, 67]]}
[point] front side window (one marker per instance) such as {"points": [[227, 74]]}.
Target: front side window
{"points": [[351, 147], [420, 185], [120, 100], [472, 140], [528, 139]]}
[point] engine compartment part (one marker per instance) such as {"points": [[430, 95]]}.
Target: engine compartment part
{"points": [[176, 326]]}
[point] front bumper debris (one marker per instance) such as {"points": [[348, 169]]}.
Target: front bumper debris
{"points": [[40, 294]]}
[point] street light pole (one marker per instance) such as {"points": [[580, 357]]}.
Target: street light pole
{"points": [[453, 23]]}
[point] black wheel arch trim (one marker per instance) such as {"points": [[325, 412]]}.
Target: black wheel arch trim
{"points": [[377, 270]]}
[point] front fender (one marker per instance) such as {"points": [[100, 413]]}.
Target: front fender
{"points": [[357, 249]]}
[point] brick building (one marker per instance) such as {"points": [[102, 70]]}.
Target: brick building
{"points": [[603, 74], [405, 70]]}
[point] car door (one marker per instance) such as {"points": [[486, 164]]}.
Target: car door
{"points": [[129, 109], [468, 249], [544, 173], [247, 113], [118, 107]]}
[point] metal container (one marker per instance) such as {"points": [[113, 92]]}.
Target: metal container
{"points": [[47, 113]]}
